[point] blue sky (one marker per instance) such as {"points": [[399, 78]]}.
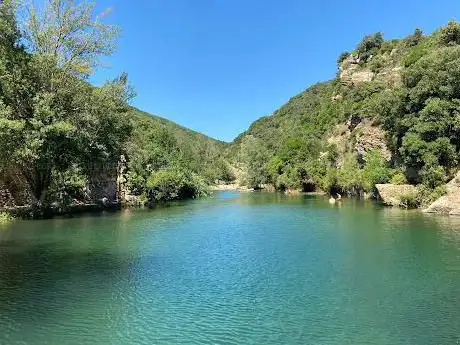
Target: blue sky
{"points": [[217, 65]]}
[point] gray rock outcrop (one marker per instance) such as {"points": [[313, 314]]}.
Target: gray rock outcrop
{"points": [[391, 194], [450, 203]]}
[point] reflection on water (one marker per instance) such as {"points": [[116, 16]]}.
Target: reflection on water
{"points": [[257, 268]]}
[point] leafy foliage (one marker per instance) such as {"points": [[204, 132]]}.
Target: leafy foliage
{"points": [[369, 45], [5, 218], [419, 110], [174, 183], [57, 130]]}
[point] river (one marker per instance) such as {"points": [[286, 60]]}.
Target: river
{"points": [[235, 268]]}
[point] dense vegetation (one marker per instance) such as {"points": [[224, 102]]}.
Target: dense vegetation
{"points": [[410, 91], [167, 161], [57, 131], [59, 134]]}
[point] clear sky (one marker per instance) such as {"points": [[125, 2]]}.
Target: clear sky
{"points": [[217, 65]]}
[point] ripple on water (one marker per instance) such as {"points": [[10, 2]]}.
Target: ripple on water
{"points": [[238, 269]]}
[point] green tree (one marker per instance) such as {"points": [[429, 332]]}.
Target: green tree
{"points": [[375, 170], [254, 156], [415, 38], [69, 35], [342, 57], [52, 119], [450, 34], [369, 45]]}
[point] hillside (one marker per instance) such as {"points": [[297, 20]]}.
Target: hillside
{"points": [[391, 115], [157, 144], [67, 143]]}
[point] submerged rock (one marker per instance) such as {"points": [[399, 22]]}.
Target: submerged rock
{"points": [[449, 203], [391, 194]]}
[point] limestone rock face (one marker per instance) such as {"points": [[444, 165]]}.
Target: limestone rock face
{"points": [[102, 182], [390, 194], [353, 74], [369, 137], [449, 203], [391, 76]]}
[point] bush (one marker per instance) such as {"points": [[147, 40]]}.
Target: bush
{"points": [[5, 218], [369, 45], [415, 38], [377, 63], [410, 200], [287, 181], [415, 54], [349, 177], [422, 196], [450, 34], [67, 185], [427, 195], [174, 183], [330, 181], [218, 171], [432, 175], [342, 57], [398, 178], [388, 46], [375, 170]]}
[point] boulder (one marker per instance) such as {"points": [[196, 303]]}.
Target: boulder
{"points": [[390, 194], [449, 203]]}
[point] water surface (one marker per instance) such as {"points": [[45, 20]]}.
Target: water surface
{"points": [[254, 268]]}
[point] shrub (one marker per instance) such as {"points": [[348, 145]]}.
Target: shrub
{"points": [[415, 38], [174, 183], [433, 175], [410, 200], [286, 181], [349, 177], [450, 34], [377, 63], [369, 45], [218, 171], [388, 46], [5, 218], [415, 54], [375, 170], [67, 185], [422, 196], [330, 181], [398, 178], [342, 57], [427, 195]]}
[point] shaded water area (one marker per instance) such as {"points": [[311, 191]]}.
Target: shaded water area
{"points": [[254, 268]]}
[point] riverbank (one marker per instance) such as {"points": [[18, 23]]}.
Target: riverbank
{"points": [[31, 212], [230, 187]]}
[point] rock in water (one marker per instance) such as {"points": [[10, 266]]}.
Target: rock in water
{"points": [[449, 203], [391, 194]]}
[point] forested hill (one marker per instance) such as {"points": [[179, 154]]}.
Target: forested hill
{"points": [[161, 149], [65, 142], [392, 114]]}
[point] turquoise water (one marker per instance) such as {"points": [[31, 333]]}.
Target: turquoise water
{"points": [[233, 269]]}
